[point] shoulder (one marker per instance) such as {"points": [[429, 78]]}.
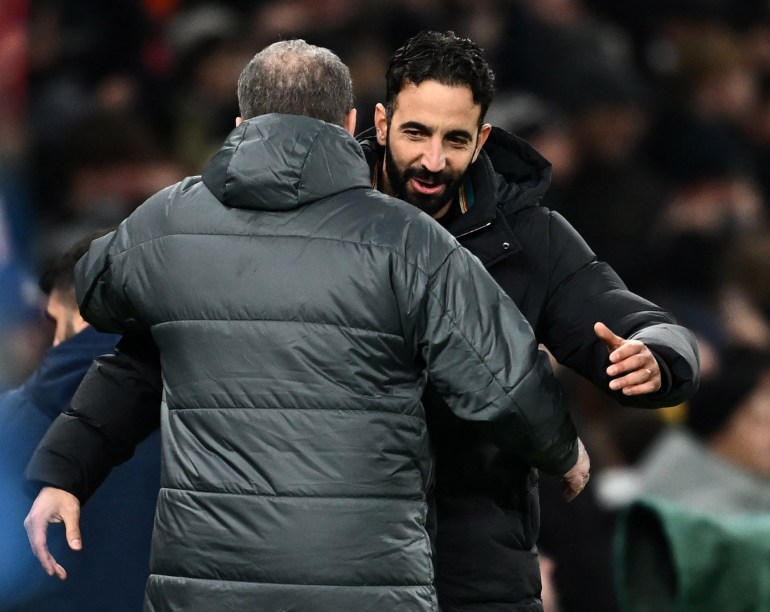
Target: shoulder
{"points": [[153, 217], [409, 232], [547, 230]]}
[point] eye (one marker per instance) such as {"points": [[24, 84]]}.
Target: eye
{"points": [[458, 143], [413, 133]]}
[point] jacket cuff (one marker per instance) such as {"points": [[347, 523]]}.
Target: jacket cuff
{"points": [[563, 464]]}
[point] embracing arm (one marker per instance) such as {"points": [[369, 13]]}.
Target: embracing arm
{"points": [[482, 357], [116, 406]]}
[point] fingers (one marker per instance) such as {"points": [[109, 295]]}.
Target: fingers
{"points": [[620, 348], [576, 479], [636, 375], [72, 533], [606, 335], [53, 506], [633, 367], [573, 488], [37, 533]]}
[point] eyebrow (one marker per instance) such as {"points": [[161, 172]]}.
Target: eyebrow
{"points": [[416, 125]]}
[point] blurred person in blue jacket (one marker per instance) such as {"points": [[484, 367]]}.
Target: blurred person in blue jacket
{"points": [[21, 346], [118, 519]]}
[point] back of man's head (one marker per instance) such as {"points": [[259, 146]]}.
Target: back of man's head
{"points": [[442, 57], [731, 410], [724, 393], [58, 283], [295, 78], [59, 275]]}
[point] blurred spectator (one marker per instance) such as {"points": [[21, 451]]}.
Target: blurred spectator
{"points": [[73, 47], [110, 170], [715, 206], [117, 521], [671, 557], [551, 45], [720, 461], [207, 48], [20, 348], [22, 342], [717, 462], [543, 125], [13, 84], [614, 196], [698, 536], [759, 133], [744, 292]]}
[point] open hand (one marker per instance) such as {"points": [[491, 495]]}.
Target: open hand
{"points": [[53, 506], [633, 367]]}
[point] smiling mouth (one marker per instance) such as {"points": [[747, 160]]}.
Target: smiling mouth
{"points": [[426, 188]]}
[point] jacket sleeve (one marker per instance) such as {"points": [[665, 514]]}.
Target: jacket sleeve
{"points": [[100, 292], [104, 274], [583, 290], [115, 407], [481, 356]]}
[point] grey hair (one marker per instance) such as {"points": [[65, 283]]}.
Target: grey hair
{"points": [[296, 78]]}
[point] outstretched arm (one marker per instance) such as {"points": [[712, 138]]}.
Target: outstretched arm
{"points": [[583, 291], [482, 357]]}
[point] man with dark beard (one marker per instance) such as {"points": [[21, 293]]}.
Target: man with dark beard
{"points": [[431, 147], [427, 149]]}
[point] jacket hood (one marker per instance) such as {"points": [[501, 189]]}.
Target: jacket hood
{"points": [[523, 175], [281, 162]]}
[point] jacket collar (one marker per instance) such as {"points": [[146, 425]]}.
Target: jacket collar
{"points": [[54, 382]]}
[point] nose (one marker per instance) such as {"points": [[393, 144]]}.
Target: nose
{"points": [[433, 157]]}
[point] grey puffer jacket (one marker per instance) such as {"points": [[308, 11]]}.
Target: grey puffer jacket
{"points": [[298, 313]]}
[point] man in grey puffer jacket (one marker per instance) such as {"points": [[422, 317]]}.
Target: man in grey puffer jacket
{"points": [[298, 313]]}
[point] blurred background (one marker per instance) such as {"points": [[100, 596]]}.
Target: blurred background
{"points": [[654, 113]]}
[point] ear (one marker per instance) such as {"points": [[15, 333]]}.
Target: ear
{"points": [[79, 323], [483, 135], [350, 122], [238, 121], [381, 123]]}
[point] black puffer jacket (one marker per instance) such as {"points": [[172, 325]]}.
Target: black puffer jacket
{"points": [[486, 498], [297, 313]]}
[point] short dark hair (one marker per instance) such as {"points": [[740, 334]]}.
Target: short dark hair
{"points": [[60, 273], [445, 58], [296, 78]]}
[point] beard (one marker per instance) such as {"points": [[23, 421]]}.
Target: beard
{"points": [[399, 183]]}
